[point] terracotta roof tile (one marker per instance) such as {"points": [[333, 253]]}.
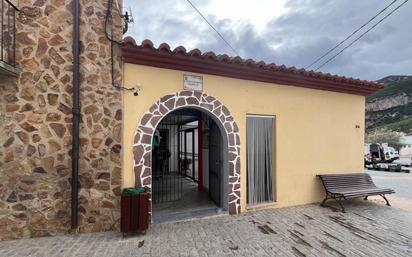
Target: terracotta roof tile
{"points": [[195, 52], [130, 51], [164, 47]]}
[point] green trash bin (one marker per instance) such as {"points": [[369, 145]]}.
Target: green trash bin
{"points": [[395, 168]]}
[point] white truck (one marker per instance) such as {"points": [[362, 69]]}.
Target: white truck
{"points": [[382, 157], [379, 153]]}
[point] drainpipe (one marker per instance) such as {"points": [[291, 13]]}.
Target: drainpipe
{"points": [[200, 151], [76, 113]]}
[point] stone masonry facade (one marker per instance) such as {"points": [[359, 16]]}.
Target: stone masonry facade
{"points": [[142, 147], [36, 123]]}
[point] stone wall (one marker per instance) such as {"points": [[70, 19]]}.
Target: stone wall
{"points": [[35, 128]]}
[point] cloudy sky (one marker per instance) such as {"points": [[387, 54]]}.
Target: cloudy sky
{"points": [[294, 33]]}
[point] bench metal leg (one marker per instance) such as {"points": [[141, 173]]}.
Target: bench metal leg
{"points": [[387, 202], [366, 198], [324, 201], [338, 200]]}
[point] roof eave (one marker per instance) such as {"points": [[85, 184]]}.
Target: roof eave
{"points": [[180, 60]]}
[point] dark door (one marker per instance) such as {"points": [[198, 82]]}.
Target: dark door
{"points": [[215, 164], [190, 158]]}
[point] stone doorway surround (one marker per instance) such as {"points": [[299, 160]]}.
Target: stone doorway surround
{"points": [[142, 146]]}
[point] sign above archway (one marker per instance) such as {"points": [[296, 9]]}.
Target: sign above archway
{"points": [[192, 82]]}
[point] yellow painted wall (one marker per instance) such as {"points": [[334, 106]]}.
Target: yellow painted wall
{"points": [[315, 129]]}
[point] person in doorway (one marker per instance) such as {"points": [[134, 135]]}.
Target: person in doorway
{"points": [[164, 158], [156, 169]]}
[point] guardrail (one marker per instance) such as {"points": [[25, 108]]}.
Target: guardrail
{"points": [[8, 33]]}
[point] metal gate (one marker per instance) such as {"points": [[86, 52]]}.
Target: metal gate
{"points": [[174, 155]]}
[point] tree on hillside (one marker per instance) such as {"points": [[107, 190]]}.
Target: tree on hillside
{"points": [[384, 136]]}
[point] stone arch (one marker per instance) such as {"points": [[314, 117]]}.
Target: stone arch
{"points": [[142, 146]]}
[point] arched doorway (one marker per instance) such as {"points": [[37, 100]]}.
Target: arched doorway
{"points": [[143, 140], [189, 175]]}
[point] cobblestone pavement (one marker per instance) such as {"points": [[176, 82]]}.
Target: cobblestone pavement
{"points": [[367, 229]]}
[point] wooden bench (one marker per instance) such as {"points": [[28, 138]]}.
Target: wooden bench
{"points": [[345, 186]]}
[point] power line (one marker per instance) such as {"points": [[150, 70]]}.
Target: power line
{"points": [[354, 41], [353, 33], [220, 35]]}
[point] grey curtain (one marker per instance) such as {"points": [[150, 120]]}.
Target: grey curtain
{"points": [[259, 159]]}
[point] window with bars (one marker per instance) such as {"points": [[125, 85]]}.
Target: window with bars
{"points": [[7, 33]]}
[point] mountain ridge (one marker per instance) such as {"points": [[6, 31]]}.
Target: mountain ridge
{"points": [[393, 78], [391, 107]]}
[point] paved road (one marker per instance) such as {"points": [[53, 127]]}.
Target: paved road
{"points": [[367, 229], [401, 182]]}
